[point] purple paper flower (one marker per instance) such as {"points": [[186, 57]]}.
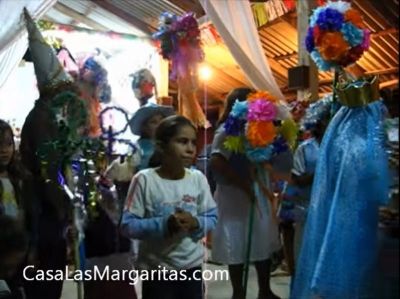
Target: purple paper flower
{"points": [[234, 126], [261, 110], [366, 40], [330, 19]]}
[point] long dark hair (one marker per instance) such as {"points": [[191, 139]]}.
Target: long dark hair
{"points": [[235, 94], [16, 172], [165, 131]]}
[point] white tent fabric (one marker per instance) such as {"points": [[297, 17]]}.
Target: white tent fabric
{"points": [[13, 34], [234, 22]]}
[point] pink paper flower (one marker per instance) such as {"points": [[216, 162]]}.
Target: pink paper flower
{"points": [[261, 110]]}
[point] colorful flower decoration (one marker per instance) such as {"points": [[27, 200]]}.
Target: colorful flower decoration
{"points": [[336, 36], [180, 42], [255, 128]]}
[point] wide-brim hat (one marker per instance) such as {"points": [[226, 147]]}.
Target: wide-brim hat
{"points": [[145, 112]]}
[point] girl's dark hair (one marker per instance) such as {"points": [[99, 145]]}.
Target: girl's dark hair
{"points": [[169, 127], [16, 172], [165, 131], [235, 94]]}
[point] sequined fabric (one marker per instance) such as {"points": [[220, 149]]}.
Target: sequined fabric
{"points": [[351, 180]]}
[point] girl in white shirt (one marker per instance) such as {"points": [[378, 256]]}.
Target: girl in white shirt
{"points": [[170, 208]]}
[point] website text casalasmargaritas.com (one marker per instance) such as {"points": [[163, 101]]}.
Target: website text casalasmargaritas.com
{"points": [[133, 276]]}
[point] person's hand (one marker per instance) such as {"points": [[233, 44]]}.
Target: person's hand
{"points": [[173, 225], [182, 221], [187, 222]]}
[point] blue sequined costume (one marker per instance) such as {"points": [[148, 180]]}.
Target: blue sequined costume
{"points": [[340, 238]]}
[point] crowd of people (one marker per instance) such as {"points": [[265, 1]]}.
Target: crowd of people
{"points": [[163, 207]]}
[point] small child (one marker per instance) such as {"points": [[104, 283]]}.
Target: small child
{"points": [[144, 124], [170, 208]]}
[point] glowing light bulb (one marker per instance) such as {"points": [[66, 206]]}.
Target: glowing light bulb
{"points": [[205, 72]]}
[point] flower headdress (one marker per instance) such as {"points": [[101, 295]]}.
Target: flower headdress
{"points": [[259, 128], [336, 36]]}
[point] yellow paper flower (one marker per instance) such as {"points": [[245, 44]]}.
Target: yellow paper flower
{"points": [[289, 131], [234, 144], [260, 133]]}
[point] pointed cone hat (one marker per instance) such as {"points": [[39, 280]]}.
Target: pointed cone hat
{"points": [[49, 72]]}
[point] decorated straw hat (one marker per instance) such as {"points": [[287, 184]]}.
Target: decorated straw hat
{"points": [[145, 112], [49, 73]]}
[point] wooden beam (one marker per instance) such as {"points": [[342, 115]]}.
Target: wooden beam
{"points": [[88, 10], [78, 17], [270, 23], [189, 5], [287, 56], [384, 32], [376, 34], [389, 83], [382, 9], [355, 70], [127, 17]]}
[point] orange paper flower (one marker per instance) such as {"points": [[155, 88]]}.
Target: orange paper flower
{"points": [[261, 133], [333, 46], [354, 17], [261, 95]]}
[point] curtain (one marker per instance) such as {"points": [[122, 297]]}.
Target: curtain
{"points": [[13, 35], [235, 23]]}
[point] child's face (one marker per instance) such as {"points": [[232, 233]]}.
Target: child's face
{"points": [[6, 148], [182, 147], [150, 126]]}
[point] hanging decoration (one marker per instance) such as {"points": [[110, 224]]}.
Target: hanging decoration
{"points": [[270, 10], [336, 36], [179, 42], [259, 14], [210, 36]]}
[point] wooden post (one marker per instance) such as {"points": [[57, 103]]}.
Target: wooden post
{"points": [[304, 9]]}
